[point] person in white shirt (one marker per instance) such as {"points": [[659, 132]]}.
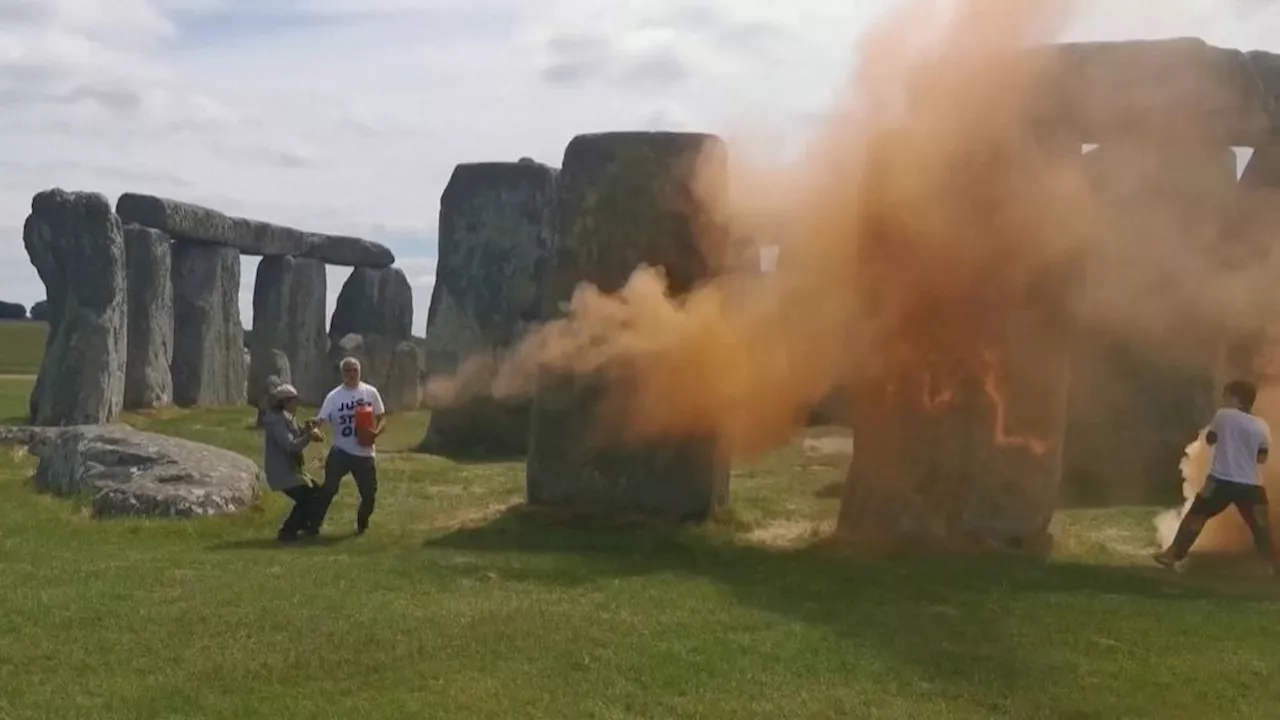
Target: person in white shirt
{"points": [[1241, 442], [348, 454]]}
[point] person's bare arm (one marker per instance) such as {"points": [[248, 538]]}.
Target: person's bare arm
{"points": [[1263, 453]]}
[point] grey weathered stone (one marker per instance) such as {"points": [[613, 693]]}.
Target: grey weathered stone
{"points": [[1177, 88], [374, 302], [208, 348], [1164, 209], [994, 427], [348, 251], [185, 221], [393, 366], [403, 389], [1266, 68], [34, 439], [148, 381], [132, 473], [76, 244], [959, 424], [1249, 347], [625, 199], [289, 315], [269, 372], [497, 234]]}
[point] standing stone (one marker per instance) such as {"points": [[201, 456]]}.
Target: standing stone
{"points": [[288, 315], [373, 301], [208, 343], [625, 199], [148, 382], [497, 233], [269, 373], [402, 390], [76, 243], [393, 366], [1250, 245], [1154, 319], [52, 274], [965, 451], [959, 419]]}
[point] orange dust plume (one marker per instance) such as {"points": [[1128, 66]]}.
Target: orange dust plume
{"points": [[935, 195], [945, 95]]}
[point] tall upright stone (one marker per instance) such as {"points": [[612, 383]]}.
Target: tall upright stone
{"points": [[959, 419], [497, 233], [148, 382], [1250, 245], [76, 243], [373, 301], [392, 366], [208, 339], [1155, 318], [289, 316], [625, 199], [265, 375]]}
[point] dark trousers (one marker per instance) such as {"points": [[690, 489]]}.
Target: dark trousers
{"points": [[300, 517], [363, 470], [1217, 495]]}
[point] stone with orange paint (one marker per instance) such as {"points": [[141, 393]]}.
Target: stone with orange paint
{"points": [[973, 463], [959, 424], [625, 200]]}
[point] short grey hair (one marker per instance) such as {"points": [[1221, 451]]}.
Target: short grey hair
{"points": [[349, 361]]}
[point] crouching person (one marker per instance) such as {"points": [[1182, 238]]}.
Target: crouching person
{"points": [[283, 444]]}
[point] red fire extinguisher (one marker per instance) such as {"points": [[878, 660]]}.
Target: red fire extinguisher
{"points": [[364, 425]]}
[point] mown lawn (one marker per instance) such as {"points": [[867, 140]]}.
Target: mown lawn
{"points": [[21, 346], [459, 605]]}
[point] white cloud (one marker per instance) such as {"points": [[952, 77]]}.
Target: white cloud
{"points": [[347, 116]]}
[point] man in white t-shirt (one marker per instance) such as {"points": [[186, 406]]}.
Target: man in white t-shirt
{"points": [[1241, 442], [347, 454]]}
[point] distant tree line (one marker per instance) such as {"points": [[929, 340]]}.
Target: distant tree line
{"points": [[12, 311], [18, 311]]}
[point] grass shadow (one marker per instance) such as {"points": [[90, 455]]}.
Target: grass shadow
{"points": [[955, 621], [831, 491], [466, 458], [712, 551], [270, 543]]}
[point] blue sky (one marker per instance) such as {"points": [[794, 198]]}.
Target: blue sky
{"points": [[347, 116]]}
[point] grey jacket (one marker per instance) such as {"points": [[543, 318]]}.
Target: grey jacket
{"points": [[282, 446]]}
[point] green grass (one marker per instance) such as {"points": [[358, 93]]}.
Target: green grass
{"points": [[23, 343], [459, 605]]}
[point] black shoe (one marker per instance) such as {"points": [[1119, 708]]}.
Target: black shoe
{"points": [[286, 537]]}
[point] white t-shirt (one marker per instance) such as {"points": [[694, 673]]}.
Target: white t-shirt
{"points": [[339, 411], [1240, 437]]}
